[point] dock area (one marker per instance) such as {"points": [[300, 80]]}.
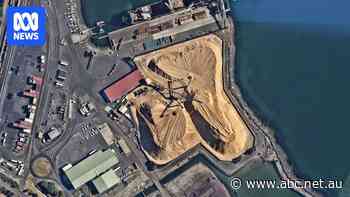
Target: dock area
{"points": [[149, 32]]}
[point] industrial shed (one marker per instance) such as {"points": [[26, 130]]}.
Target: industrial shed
{"points": [[122, 86], [106, 133], [91, 167], [106, 181]]}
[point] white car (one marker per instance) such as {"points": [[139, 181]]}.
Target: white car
{"points": [[59, 84], [42, 59]]}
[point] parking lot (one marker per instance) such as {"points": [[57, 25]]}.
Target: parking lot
{"points": [[55, 107], [78, 148], [87, 138], [25, 64]]}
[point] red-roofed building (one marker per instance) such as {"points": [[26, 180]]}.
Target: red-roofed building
{"points": [[123, 86]]}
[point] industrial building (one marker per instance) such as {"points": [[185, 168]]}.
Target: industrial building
{"points": [[106, 133], [151, 44], [52, 134], [124, 147], [122, 86], [106, 181], [179, 18], [91, 167]]}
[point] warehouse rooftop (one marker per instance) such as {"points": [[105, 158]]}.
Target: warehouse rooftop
{"points": [[91, 167], [122, 86], [106, 181]]}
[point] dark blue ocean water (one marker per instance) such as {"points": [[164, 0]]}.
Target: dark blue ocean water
{"points": [[293, 61]]}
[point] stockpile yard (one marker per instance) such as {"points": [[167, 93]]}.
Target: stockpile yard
{"points": [[183, 103]]}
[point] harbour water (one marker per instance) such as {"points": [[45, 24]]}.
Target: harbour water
{"points": [[293, 69], [259, 171], [254, 171], [110, 11]]}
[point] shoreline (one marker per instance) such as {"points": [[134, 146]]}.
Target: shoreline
{"points": [[279, 158], [273, 152]]}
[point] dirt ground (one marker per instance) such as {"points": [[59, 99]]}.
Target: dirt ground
{"points": [[200, 112], [41, 167]]}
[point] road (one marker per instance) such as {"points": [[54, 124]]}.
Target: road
{"points": [[71, 54], [8, 61], [139, 157], [53, 55]]}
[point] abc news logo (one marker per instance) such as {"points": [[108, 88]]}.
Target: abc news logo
{"points": [[29, 29], [26, 26]]}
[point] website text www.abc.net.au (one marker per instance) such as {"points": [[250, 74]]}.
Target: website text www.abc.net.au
{"points": [[237, 183]]}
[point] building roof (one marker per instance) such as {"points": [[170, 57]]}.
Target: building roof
{"points": [[123, 86], [106, 181], [54, 133], [106, 132], [124, 146], [91, 167]]}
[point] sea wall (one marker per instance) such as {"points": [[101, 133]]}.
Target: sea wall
{"points": [[256, 126]]}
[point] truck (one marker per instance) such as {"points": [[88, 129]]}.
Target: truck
{"points": [[124, 110], [16, 161], [21, 171], [84, 110], [28, 120], [22, 139], [35, 80], [31, 93], [27, 131], [31, 116], [22, 134], [59, 84], [21, 144], [22, 124], [63, 63], [34, 101], [31, 108], [18, 149], [61, 75]]}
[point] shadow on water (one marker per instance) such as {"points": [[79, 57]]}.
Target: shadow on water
{"points": [[195, 160], [110, 11]]}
